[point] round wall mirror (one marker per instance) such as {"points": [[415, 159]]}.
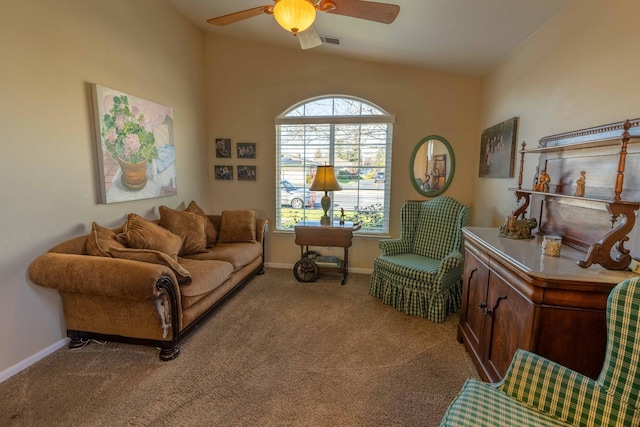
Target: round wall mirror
{"points": [[432, 166]]}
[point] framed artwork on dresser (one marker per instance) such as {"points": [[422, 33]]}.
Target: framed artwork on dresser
{"points": [[498, 150]]}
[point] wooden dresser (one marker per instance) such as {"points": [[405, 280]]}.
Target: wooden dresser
{"points": [[514, 297]]}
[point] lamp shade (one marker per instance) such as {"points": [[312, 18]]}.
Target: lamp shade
{"points": [[325, 180], [294, 15]]}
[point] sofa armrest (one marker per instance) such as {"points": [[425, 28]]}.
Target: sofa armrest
{"points": [[104, 276], [262, 226], [391, 247]]}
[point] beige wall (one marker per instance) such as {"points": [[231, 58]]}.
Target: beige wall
{"points": [[249, 85], [581, 70], [51, 52]]}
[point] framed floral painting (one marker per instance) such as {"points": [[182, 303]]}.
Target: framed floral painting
{"points": [[136, 152]]}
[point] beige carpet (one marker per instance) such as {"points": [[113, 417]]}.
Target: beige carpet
{"points": [[278, 353]]}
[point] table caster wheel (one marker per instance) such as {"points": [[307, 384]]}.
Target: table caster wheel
{"points": [[305, 271]]}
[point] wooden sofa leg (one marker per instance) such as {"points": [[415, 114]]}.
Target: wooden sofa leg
{"points": [[169, 353]]}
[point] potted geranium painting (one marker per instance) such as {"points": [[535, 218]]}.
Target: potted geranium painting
{"points": [[136, 153]]}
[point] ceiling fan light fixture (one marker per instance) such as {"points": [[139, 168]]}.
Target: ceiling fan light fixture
{"points": [[294, 15]]}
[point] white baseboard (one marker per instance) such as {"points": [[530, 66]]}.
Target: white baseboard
{"points": [[290, 267], [278, 265], [361, 270], [9, 372]]}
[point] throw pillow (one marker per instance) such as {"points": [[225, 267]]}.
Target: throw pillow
{"points": [[154, 257], [140, 233], [101, 240], [212, 233], [187, 225], [238, 226]]}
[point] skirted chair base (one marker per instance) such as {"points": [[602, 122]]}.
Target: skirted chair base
{"points": [[414, 291], [420, 273]]}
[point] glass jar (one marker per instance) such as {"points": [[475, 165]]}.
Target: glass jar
{"points": [[551, 245]]}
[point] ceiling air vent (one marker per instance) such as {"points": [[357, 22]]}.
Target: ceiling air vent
{"points": [[331, 40]]}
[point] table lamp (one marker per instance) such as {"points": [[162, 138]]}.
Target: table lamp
{"points": [[325, 180]]}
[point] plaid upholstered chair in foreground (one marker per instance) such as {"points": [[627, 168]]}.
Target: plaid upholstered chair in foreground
{"points": [[539, 392], [421, 272]]}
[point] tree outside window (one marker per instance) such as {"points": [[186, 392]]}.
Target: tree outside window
{"points": [[349, 133]]}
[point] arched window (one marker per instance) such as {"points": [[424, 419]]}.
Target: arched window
{"points": [[349, 133]]}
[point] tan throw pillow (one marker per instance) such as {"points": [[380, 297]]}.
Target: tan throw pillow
{"points": [[187, 225], [140, 233], [238, 226], [210, 229], [101, 240], [154, 257]]}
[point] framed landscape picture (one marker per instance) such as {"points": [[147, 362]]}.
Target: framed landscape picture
{"points": [[135, 147], [498, 150]]}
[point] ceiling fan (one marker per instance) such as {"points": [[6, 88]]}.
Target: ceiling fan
{"points": [[297, 16]]}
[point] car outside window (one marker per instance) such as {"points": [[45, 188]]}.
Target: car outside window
{"points": [[349, 133]]}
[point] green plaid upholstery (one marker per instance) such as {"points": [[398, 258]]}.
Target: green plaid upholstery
{"points": [[420, 273], [438, 229], [537, 391], [482, 405]]}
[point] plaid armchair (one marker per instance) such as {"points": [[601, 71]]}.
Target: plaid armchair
{"points": [[420, 273], [539, 392]]}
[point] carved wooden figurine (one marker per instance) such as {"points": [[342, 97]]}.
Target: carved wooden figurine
{"points": [[580, 185], [515, 228], [543, 182]]}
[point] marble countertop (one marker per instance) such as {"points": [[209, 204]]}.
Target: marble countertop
{"points": [[526, 255]]}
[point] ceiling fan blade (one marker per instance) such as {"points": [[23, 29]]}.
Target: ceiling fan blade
{"points": [[379, 12], [239, 16], [309, 38]]}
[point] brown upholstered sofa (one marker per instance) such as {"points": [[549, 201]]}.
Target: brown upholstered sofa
{"points": [[151, 282]]}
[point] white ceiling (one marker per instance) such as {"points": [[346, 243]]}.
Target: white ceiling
{"points": [[461, 36]]}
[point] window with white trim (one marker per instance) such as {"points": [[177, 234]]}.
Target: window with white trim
{"points": [[349, 133]]}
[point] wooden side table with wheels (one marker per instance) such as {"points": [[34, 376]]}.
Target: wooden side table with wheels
{"points": [[311, 233]]}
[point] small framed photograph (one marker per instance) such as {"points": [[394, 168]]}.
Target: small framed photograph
{"points": [[223, 172], [246, 150], [246, 173], [223, 148]]}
